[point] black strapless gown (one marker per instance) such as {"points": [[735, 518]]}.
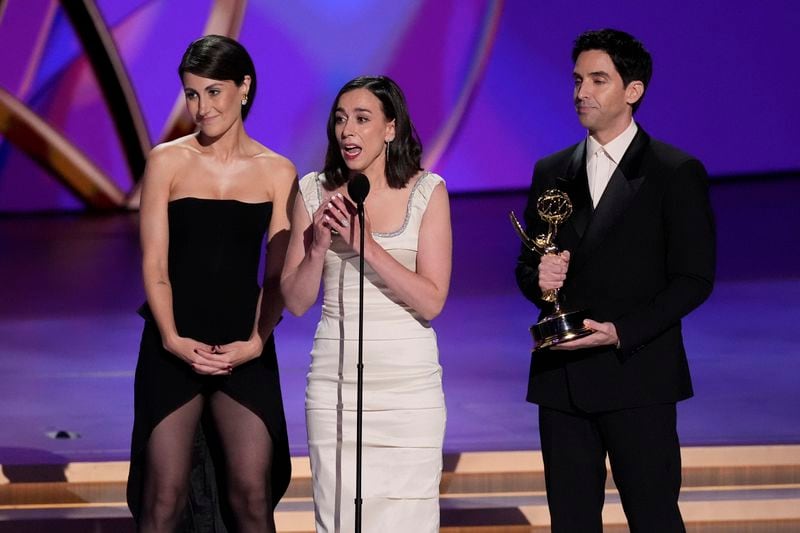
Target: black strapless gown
{"points": [[214, 254]]}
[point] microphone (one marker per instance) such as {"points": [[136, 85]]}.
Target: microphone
{"points": [[358, 189]]}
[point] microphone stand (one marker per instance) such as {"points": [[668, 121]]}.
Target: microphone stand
{"points": [[360, 366], [358, 188]]}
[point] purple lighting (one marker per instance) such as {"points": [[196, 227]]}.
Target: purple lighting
{"points": [[488, 81]]}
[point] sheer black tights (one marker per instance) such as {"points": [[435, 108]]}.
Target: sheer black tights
{"points": [[248, 455]]}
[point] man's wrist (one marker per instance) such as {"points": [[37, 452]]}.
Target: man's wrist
{"points": [[618, 343]]}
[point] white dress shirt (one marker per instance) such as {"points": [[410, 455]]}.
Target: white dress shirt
{"points": [[602, 161]]}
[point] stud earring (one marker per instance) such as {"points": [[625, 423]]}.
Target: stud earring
{"points": [[244, 100]]}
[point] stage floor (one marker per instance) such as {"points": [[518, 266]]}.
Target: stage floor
{"points": [[71, 285]]}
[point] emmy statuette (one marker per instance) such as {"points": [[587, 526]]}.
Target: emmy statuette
{"points": [[554, 207]]}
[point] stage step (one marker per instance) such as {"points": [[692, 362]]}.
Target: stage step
{"points": [[725, 489]]}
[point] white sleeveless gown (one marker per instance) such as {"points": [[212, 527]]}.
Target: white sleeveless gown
{"points": [[404, 411]]}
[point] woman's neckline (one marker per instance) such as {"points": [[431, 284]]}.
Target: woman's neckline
{"points": [[197, 198], [399, 231]]}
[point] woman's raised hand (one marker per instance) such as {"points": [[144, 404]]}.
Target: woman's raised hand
{"points": [[342, 218]]}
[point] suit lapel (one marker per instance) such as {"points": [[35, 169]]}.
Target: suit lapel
{"points": [[575, 183], [621, 189]]}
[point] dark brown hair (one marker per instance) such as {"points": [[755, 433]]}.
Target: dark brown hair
{"points": [[405, 151], [220, 58]]}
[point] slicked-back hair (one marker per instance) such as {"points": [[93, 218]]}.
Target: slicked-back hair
{"points": [[220, 58], [630, 57], [405, 151]]}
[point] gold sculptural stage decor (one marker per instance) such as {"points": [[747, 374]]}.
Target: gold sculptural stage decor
{"points": [[554, 207]]}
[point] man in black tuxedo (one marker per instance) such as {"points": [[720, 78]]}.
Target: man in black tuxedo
{"points": [[639, 254]]}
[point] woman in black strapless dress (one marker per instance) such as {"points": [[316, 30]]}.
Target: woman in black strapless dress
{"points": [[207, 353]]}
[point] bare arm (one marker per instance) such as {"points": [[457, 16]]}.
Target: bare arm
{"points": [[305, 258], [271, 301], [154, 236]]}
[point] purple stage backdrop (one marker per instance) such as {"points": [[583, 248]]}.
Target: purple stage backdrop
{"points": [[488, 81]]}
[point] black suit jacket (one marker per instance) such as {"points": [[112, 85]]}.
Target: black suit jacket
{"points": [[642, 259]]}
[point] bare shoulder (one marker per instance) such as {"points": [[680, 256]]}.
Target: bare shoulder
{"points": [[275, 168], [173, 154], [165, 162]]}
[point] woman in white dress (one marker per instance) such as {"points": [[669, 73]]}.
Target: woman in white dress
{"points": [[407, 251]]}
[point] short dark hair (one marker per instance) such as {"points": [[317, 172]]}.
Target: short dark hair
{"points": [[405, 151], [220, 58], [630, 57]]}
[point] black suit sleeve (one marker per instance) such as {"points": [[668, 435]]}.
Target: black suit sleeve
{"points": [[690, 243], [527, 270]]}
